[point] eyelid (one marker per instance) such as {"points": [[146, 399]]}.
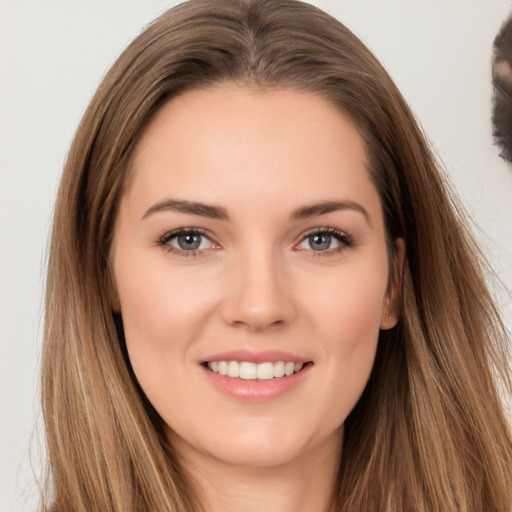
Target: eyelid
{"points": [[164, 240], [345, 240]]}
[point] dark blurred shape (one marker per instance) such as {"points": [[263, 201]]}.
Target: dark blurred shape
{"points": [[502, 82]]}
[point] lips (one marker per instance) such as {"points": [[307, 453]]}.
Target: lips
{"points": [[256, 376], [247, 370]]}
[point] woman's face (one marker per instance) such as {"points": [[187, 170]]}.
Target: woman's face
{"points": [[250, 235]]}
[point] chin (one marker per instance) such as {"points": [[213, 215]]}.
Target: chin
{"points": [[257, 454], [265, 445]]}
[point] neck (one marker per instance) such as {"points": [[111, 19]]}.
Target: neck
{"points": [[302, 485]]}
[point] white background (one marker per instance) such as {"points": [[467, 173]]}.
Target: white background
{"points": [[52, 56]]}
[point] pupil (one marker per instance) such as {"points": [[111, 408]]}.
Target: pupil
{"points": [[320, 242], [189, 242]]}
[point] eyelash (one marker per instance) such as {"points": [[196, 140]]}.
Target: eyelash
{"points": [[345, 240], [164, 240]]}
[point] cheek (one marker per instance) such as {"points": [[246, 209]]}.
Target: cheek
{"points": [[347, 322], [349, 307], [156, 301], [162, 312], [162, 316]]}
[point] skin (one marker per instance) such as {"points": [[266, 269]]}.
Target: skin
{"points": [[256, 282]]}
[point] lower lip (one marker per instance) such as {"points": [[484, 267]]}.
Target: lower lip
{"points": [[256, 390]]}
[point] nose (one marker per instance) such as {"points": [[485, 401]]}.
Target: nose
{"points": [[260, 294]]}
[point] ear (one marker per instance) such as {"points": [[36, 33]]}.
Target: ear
{"points": [[391, 305]]}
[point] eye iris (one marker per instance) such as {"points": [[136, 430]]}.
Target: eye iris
{"points": [[320, 241], [189, 242]]}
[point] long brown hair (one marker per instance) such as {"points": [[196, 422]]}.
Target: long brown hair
{"points": [[429, 432]]}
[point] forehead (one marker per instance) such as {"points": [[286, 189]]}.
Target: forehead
{"points": [[253, 145]]}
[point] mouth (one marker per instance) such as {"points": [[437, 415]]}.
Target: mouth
{"points": [[246, 370]]}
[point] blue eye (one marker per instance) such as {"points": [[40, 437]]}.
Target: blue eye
{"points": [[188, 242], [328, 240], [184, 241], [319, 241]]}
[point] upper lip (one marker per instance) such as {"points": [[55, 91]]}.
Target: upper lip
{"points": [[255, 356]]}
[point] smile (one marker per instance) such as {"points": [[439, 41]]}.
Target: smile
{"points": [[251, 371]]}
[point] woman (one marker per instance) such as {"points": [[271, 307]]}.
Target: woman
{"points": [[260, 293]]}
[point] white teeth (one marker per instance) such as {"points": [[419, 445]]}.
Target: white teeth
{"points": [[251, 371], [223, 368], [279, 369], [233, 369], [247, 371], [265, 371]]}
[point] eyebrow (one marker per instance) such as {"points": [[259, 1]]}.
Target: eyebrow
{"points": [[328, 207], [219, 213], [195, 208]]}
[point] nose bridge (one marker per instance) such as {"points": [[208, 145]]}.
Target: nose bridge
{"points": [[260, 294]]}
